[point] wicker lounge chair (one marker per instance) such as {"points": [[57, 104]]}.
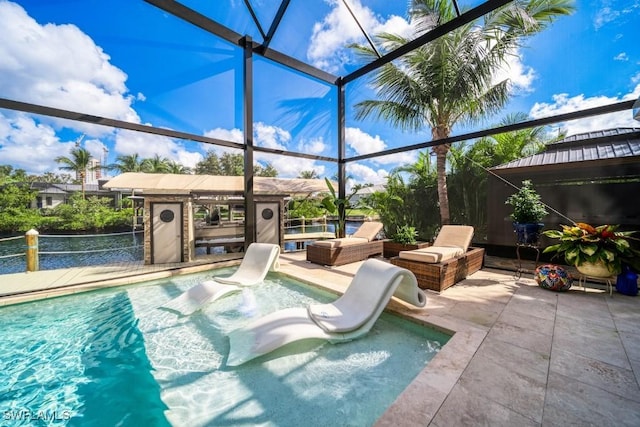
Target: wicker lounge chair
{"points": [[359, 246], [447, 262]]}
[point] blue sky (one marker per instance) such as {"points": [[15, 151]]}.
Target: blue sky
{"points": [[127, 60]]}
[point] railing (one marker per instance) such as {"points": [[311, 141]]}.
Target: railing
{"points": [[318, 229], [32, 252], [7, 239], [302, 228]]}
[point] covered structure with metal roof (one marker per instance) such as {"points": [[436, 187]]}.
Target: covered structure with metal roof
{"points": [[162, 183], [591, 177]]}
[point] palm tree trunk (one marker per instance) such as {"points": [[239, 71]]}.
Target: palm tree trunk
{"points": [[82, 179], [441, 132]]}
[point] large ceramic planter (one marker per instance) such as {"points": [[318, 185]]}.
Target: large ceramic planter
{"points": [[598, 269], [527, 233], [391, 249]]}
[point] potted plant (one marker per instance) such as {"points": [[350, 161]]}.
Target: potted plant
{"points": [[403, 240], [595, 251], [528, 211]]}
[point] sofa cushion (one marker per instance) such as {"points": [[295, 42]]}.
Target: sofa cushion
{"points": [[432, 254], [368, 230], [346, 241]]}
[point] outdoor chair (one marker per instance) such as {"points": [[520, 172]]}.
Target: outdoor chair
{"points": [[449, 260], [359, 246]]}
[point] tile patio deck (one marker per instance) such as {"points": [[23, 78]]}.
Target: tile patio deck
{"points": [[520, 355]]}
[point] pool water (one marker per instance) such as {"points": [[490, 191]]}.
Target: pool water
{"points": [[113, 358]]}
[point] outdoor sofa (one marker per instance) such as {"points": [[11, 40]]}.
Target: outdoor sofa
{"points": [[449, 260], [359, 246]]}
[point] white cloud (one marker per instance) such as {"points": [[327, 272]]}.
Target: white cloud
{"points": [[615, 11], [29, 145], [328, 45], [622, 56], [398, 159], [271, 136], [365, 175], [563, 103], [233, 135], [604, 16], [520, 76], [60, 66], [313, 146], [363, 143]]}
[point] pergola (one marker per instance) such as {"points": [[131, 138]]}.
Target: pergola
{"points": [[263, 48]]}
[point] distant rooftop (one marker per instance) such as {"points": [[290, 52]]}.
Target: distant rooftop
{"points": [[607, 144]]}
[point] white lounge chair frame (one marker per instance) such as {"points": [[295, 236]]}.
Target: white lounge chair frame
{"points": [[259, 259], [349, 317]]}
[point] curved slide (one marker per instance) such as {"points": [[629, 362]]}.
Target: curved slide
{"points": [[349, 317], [257, 261]]}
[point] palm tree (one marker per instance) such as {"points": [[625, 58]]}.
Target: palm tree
{"points": [[422, 171], [312, 174], [177, 168], [78, 163], [127, 163], [155, 164], [514, 145], [451, 79]]}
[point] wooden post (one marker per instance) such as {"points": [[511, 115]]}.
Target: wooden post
{"points": [[33, 261], [303, 223]]}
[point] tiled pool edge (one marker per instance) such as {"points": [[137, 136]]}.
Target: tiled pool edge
{"points": [[80, 284]]}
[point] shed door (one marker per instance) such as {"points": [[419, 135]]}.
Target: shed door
{"points": [[268, 223], [167, 232]]}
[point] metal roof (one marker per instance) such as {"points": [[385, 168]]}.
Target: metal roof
{"points": [[160, 183], [600, 145], [56, 188]]}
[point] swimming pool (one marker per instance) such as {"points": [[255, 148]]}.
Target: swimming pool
{"points": [[110, 357]]}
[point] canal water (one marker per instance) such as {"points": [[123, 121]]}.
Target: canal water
{"points": [[72, 251]]}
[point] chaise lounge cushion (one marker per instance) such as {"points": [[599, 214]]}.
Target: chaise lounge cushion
{"points": [[368, 230], [452, 241], [455, 235], [432, 254], [336, 243]]}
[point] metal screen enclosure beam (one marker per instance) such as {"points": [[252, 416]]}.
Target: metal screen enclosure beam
{"points": [[249, 206]]}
